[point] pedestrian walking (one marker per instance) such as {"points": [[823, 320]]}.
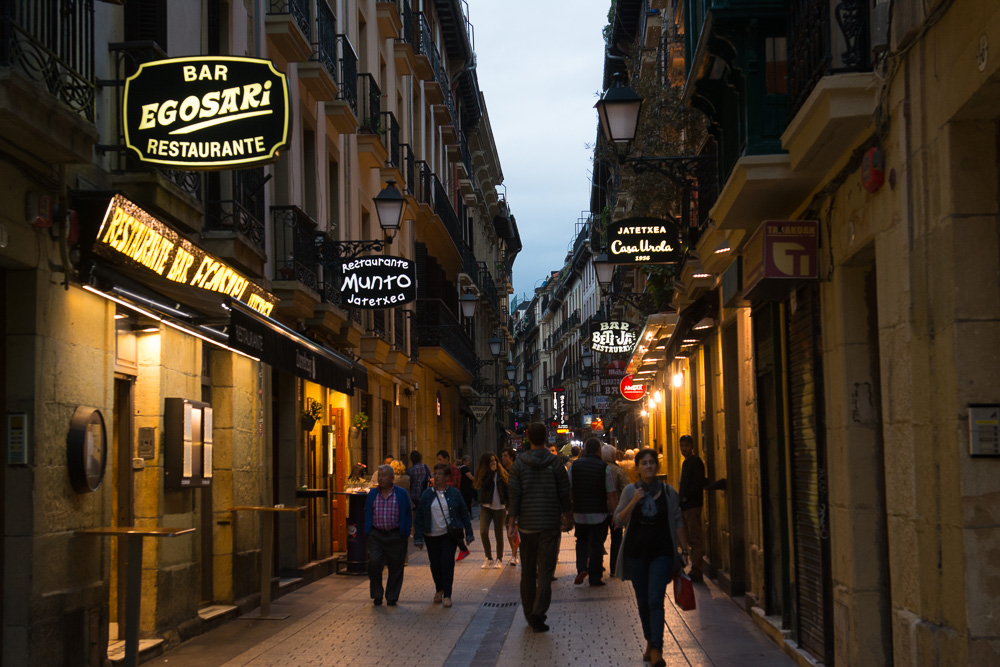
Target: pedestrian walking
{"points": [[491, 482], [650, 511], [440, 517], [610, 455], [388, 518], [507, 458], [420, 476], [454, 480], [692, 494], [594, 500], [539, 507], [467, 482]]}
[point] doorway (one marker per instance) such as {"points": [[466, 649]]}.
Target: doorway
{"points": [[123, 492]]}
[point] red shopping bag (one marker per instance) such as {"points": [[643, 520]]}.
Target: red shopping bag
{"points": [[684, 592]]}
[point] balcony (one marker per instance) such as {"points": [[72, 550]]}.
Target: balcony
{"points": [[47, 83], [319, 75], [424, 50], [488, 287], [403, 44], [390, 20], [295, 261], [342, 113], [287, 25], [372, 152], [234, 218], [330, 316], [444, 347]]}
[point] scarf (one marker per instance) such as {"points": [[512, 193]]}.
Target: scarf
{"points": [[648, 509]]}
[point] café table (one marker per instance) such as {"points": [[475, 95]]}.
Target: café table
{"points": [[266, 557]]}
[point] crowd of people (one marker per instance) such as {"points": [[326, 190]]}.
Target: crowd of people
{"points": [[533, 497]]}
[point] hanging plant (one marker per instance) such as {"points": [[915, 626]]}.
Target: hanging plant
{"points": [[360, 421], [311, 413]]}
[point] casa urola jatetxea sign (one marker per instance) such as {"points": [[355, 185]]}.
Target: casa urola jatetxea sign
{"points": [[206, 112]]}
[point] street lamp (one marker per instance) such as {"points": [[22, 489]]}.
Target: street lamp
{"points": [[389, 206], [511, 372], [468, 302], [495, 345], [618, 112], [588, 358], [531, 409], [605, 270], [522, 390]]}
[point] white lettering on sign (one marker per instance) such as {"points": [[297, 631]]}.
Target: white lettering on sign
{"points": [[305, 362], [619, 248], [220, 106]]}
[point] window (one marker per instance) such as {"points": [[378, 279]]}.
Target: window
{"points": [[777, 66]]}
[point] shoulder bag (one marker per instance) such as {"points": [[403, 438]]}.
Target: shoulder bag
{"points": [[455, 531]]}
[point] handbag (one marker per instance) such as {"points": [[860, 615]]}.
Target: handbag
{"points": [[684, 592], [455, 531]]}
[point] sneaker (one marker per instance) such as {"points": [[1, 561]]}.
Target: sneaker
{"points": [[447, 602], [488, 564], [498, 564], [462, 555], [438, 597]]}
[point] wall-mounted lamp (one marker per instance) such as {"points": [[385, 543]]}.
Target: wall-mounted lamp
{"points": [[468, 302], [704, 323], [389, 206], [678, 380]]}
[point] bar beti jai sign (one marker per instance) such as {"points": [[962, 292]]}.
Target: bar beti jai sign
{"points": [[206, 112], [131, 236]]}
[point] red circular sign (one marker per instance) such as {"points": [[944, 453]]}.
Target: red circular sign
{"points": [[630, 390]]}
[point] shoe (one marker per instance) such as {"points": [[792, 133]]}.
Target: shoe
{"points": [[487, 565], [513, 561], [656, 658], [645, 654], [498, 564], [378, 602], [447, 602], [580, 577], [539, 627], [598, 583], [462, 555], [390, 603], [438, 597]]}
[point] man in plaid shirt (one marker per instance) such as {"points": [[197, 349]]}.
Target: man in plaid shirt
{"points": [[388, 519]]}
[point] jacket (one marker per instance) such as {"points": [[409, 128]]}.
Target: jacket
{"points": [[456, 508], [539, 491], [405, 510], [692, 486], [673, 518], [589, 486], [490, 480]]}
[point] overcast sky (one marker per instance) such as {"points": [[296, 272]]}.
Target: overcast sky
{"points": [[540, 64]]}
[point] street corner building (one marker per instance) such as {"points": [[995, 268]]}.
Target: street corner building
{"points": [[238, 248]]}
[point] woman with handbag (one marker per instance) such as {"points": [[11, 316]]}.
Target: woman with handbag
{"points": [[651, 514], [440, 521], [491, 482]]}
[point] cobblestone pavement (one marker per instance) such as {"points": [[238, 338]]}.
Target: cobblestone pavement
{"points": [[333, 622]]}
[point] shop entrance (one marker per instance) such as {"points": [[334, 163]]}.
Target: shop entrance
{"points": [[123, 492]]}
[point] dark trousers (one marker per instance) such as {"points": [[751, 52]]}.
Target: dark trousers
{"points": [[590, 549], [441, 554], [486, 515], [616, 545], [649, 581], [539, 552], [386, 548]]}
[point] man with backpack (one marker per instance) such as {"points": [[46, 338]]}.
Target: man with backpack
{"points": [[538, 508]]}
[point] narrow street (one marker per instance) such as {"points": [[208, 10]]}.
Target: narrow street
{"points": [[333, 622]]}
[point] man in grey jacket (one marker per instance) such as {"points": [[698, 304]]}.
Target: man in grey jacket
{"points": [[539, 506]]}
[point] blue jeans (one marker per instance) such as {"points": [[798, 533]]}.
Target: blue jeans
{"points": [[649, 580]]}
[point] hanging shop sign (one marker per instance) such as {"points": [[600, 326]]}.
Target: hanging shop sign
{"points": [[613, 337], [643, 241], [559, 405], [206, 112], [779, 256], [154, 251], [378, 282], [632, 391], [614, 371], [281, 348]]}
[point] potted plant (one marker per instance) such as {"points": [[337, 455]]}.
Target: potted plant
{"points": [[311, 413], [359, 423]]}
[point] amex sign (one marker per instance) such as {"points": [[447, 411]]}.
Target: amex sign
{"points": [[206, 112]]}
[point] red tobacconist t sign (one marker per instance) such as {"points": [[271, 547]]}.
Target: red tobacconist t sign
{"points": [[631, 391]]}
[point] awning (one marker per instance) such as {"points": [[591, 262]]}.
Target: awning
{"points": [[280, 347]]}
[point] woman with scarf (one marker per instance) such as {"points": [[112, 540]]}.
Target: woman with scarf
{"points": [[651, 514], [491, 482], [440, 512]]}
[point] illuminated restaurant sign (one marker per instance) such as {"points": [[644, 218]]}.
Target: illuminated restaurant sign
{"points": [[643, 241], [632, 391], [613, 337], [206, 112], [378, 282], [134, 238]]}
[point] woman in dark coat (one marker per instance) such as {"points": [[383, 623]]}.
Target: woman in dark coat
{"points": [[491, 482], [440, 507]]}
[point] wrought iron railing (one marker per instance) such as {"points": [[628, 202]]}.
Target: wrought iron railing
{"points": [[438, 326], [243, 211], [378, 324], [423, 183], [445, 211], [406, 34], [408, 165], [52, 42], [325, 46], [488, 287], [295, 252], [467, 159], [327, 263], [825, 40], [399, 336], [297, 9], [422, 45], [390, 137], [348, 73], [369, 105]]}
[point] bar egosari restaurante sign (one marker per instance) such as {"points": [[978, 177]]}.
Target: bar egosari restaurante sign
{"points": [[207, 112], [378, 282], [643, 241], [613, 337], [133, 237]]}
